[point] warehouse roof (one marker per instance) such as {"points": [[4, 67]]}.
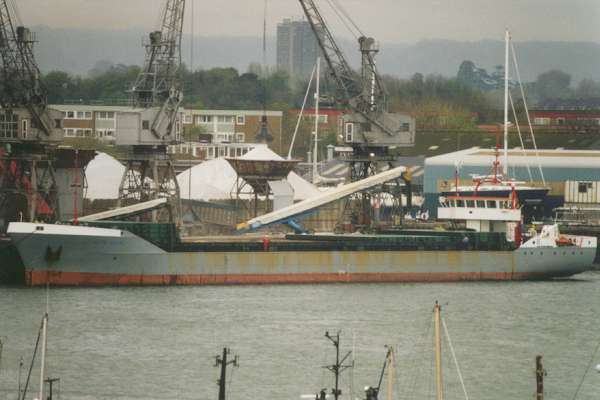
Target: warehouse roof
{"points": [[520, 158]]}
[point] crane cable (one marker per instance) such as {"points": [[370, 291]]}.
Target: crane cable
{"points": [[348, 17], [15, 12], [344, 21]]}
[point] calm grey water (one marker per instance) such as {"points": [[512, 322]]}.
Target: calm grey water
{"points": [[160, 343]]}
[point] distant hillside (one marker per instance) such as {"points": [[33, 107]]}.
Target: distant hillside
{"points": [[76, 51]]}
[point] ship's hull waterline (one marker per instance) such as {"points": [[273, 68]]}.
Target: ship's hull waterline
{"points": [[63, 256]]}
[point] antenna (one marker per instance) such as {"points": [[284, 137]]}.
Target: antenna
{"points": [[223, 363], [264, 135], [339, 366]]}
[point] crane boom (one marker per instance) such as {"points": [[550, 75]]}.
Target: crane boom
{"points": [[346, 79], [20, 82], [369, 124], [159, 84]]}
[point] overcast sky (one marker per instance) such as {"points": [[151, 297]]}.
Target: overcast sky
{"points": [[386, 20]]}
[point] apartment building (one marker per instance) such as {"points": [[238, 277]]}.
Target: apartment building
{"points": [[297, 48], [231, 126], [104, 122], [88, 121]]}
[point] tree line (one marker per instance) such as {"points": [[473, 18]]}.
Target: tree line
{"points": [[438, 102]]}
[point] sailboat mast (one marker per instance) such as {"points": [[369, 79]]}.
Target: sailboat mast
{"points": [[506, 77], [438, 351], [390, 386], [43, 359], [316, 133]]}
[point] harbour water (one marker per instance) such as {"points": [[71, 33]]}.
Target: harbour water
{"points": [[160, 343]]}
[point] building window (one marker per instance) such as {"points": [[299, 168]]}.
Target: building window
{"points": [[405, 127], [541, 121], [203, 119], [240, 137], [87, 132], [146, 124], [24, 128], [584, 187], [105, 115], [84, 115], [187, 119], [79, 132], [225, 119], [349, 132], [70, 115], [241, 120], [560, 121]]}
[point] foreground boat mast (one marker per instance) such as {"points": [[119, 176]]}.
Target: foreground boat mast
{"points": [[437, 311], [339, 365], [223, 362]]}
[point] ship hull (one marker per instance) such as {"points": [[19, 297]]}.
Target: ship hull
{"points": [[100, 257]]}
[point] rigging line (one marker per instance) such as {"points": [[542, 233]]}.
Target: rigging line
{"points": [[16, 14], [537, 155], [416, 366], [460, 377], [512, 104], [230, 381], [264, 49], [160, 16], [37, 342], [586, 371], [337, 12], [347, 15], [191, 91]]}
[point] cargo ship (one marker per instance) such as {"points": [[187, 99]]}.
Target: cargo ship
{"points": [[487, 246]]}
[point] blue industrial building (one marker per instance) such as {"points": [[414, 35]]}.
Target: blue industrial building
{"points": [[555, 166]]}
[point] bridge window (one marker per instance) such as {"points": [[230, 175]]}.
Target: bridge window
{"points": [[471, 203], [480, 204], [460, 203], [491, 204]]}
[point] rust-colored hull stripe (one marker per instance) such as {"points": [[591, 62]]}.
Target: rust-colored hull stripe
{"points": [[41, 277]]}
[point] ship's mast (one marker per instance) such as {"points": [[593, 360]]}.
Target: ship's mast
{"points": [[224, 363], [506, 78], [315, 173], [339, 366], [43, 356], [437, 310]]}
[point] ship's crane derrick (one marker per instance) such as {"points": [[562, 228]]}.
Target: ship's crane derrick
{"points": [[155, 119], [368, 126], [29, 130]]}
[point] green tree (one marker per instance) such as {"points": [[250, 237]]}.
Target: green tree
{"points": [[553, 84]]}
